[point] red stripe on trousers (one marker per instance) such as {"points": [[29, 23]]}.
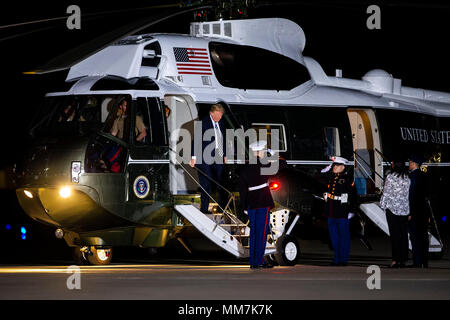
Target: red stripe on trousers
{"points": [[265, 229]]}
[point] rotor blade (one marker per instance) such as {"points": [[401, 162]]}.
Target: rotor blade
{"points": [[72, 57], [101, 13], [355, 4]]}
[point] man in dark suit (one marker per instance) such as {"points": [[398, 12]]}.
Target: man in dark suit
{"points": [[212, 157], [418, 216]]}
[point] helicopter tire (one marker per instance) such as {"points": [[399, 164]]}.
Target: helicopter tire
{"points": [[288, 250], [78, 256], [100, 256]]}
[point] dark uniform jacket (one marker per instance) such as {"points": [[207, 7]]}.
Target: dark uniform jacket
{"points": [[417, 196], [250, 176], [338, 184]]}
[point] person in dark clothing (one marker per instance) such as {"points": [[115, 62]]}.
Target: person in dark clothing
{"points": [[337, 198], [212, 164], [256, 200], [418, 218]]}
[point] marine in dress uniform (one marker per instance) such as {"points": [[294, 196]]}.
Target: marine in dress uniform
{"points": [[337, 198], [418, 219], [256, 199]]}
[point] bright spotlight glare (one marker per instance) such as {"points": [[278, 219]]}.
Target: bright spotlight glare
{"points": [[28, 194], [65, 192]]}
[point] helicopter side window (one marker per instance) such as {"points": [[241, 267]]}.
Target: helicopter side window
{"points": [[247, 67], [331, 139], [67, 111], [118, 121], [158, 122], [104, 155], [90, 110], [279, 143], [142, 128]]}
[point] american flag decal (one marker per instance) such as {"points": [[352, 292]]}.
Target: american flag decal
{"points": [[192, 61]]}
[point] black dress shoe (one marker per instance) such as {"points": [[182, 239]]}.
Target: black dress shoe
{"points": [[267, 265], [342, 264], [414, 266], [255, 267], [333, 264]]}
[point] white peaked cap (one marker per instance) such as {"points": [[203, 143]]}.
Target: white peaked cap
{"points": [[339, 160], [335, 159], [258, 145]]}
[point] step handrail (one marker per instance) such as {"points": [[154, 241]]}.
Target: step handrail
{"points": [[232, 216]]}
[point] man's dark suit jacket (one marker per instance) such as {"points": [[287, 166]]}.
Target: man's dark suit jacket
{"points": [[417, 195], [207, 124]]}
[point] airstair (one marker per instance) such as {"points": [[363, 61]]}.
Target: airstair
{"points": [[223, 229], [228, 232], [378, 216]]}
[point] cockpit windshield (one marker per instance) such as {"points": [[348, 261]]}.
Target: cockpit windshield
{"points": [[76, 115]]}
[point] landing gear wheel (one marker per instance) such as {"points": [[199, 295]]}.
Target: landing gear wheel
{"points": [[79, 257], [100, 256], [288, 250]]}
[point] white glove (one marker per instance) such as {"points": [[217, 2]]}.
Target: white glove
{"points": [[246, 212]]}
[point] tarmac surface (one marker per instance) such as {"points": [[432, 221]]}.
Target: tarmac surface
{"points": [[231, 279]]}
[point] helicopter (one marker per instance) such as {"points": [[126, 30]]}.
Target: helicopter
{"points": [[100, 190]]}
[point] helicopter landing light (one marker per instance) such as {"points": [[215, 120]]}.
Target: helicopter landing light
{"points": [[59, 233], [65, 192], [28, 194]]}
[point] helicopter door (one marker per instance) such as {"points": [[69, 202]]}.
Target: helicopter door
{"points": [[181, 113], [148, 162], [366, 138]]}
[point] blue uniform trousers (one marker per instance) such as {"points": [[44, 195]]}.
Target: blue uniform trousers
{"points": [[339, 230], [259, 227]]}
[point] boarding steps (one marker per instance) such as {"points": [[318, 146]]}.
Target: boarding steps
{"points": [[225, 230], [378, 216]]}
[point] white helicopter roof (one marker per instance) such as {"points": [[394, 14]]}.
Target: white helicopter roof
{"points": [[124, 57], [376, 89], [274, 34]]}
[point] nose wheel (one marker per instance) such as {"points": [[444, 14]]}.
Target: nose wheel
{"points": [[92, 255], [99, 256]]}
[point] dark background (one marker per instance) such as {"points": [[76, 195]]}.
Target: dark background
{"points": [[412, 45]]}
